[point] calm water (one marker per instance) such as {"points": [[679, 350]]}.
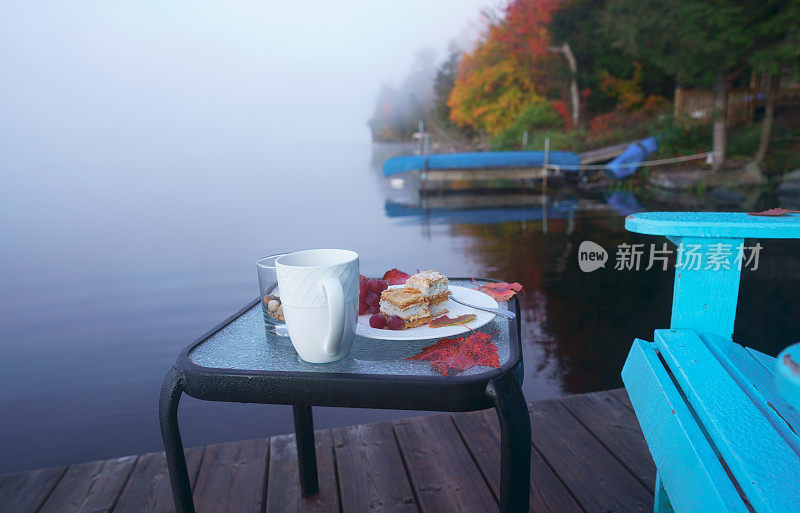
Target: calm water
{"points": [[110, 265]]}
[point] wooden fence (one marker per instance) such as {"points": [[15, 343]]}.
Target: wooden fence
{"points": [[697, 105]]}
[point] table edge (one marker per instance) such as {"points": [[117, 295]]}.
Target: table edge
{"points": [[515, 357]]}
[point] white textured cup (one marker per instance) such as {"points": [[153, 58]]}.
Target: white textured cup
{"points": [[319, 296]]}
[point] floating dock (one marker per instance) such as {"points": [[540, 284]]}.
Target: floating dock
{"points": [[588, 456]]}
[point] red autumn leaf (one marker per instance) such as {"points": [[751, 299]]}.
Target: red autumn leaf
{"points": [[395, 277], [774, 212], [501, 291], [441, 322], [458, 354]]}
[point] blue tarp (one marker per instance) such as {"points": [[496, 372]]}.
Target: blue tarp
{"points": [[477, 160], [627, 163]]}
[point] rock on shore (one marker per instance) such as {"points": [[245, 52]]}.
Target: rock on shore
{"points": [[789, 190], [749, 175]]}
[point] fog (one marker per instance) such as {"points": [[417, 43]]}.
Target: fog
{"points": [[82, 79], [142, 147]]}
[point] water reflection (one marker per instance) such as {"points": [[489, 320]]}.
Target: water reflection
{"points": [[151, 256], [578, 327]]}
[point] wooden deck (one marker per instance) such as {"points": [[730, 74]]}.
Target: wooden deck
{"points": [[589, 456]]}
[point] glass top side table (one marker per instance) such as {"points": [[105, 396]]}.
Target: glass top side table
{"points": [[237, 361]]}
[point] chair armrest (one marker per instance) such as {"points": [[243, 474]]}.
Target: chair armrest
{"points": [[705, 296], [727, 225]]}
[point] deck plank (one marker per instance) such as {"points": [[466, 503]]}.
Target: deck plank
{"points": [[481, 433], [588, 456], [442, 472], [148, 490], [370, 469], [622, 395], [594, 476], [617, 429], [91, 487], [25, 492], [232, 477], [283, 488]]}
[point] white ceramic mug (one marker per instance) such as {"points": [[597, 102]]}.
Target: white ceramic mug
{"points": [[319, 295]]}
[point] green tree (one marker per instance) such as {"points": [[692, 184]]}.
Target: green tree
{"points": [[443, 84], [699, 42], [778, 54], [580, 23]]}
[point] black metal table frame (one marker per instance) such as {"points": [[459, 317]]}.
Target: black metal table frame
{"points": [[498, 389]]}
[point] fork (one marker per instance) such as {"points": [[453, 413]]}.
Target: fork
{"points": [[508, 314]]}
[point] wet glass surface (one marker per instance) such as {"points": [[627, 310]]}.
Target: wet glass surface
{"points": [[244, 344]]}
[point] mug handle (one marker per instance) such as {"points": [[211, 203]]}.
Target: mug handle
{"points": [[335, 293]]}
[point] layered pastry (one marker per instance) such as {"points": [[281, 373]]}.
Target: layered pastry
{"points": [[408, 304], [433, 287]]}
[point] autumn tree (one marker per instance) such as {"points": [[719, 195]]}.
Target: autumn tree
{"points": [[508, 69], [580, 24]]}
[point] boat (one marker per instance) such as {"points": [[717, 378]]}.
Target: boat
{"points": [[488, 160]]}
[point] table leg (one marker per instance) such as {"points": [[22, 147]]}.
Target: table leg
{"points": [[515, 444], [306, 452], [173, 446]]}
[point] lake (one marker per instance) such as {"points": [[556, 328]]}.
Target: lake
{"points": [[113, 262]]}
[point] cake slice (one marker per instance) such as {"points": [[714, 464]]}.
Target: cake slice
{"points": [[408, 304], [433, 287]]}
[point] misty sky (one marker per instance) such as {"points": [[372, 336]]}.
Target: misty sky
{"points": [[109, 75]]}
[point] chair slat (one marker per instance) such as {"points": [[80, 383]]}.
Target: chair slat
{"points": [[764, 464], [756, 377], [764, 359], [692, 474]]}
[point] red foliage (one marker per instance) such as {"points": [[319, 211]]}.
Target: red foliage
{"points": [[774, 212], [500, 291], [605, 122], [525, 27], [395, 277], [460, 353], [562, 108]]}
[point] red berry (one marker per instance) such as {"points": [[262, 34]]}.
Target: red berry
{"points": [[373, 285], [362, 288], [384, 284], [374, 309], [377, 321], [373, 298], [394, 323], [362, 306]]}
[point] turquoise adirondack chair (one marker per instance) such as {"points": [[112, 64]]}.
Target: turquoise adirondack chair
{"points": [[721, 420]]}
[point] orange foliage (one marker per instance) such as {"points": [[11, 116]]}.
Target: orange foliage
{"points": [[634, 105], [506, 71]]}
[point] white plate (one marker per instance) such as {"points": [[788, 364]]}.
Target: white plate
{"points": [[425, 332]]}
